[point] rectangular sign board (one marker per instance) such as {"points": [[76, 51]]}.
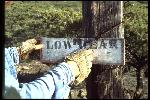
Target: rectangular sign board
{"points": [[107, 51]]}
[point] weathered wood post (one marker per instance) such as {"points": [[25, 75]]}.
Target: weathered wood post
{"points": [[98, 17]]}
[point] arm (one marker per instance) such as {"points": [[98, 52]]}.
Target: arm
{"points": [[55, 83], [52, 85], [11, 58]]}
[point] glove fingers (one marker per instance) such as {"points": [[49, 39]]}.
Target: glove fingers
{"points": [[89, 64], [31, 41], [84, 61], [39, 46], [89, 57], [88, 52], [78, 80]]}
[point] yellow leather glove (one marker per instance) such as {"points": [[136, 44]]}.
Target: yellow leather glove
{"points": [[27, 47], [80, 64]]}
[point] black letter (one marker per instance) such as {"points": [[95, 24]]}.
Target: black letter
{"points": [[103, 44], [47, 44], [77, 41], [57, 46], [112, 43], [88, 41], [65, 44]]}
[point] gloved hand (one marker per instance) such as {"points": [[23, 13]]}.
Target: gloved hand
{"points": [[27, 47], [80, 64]]}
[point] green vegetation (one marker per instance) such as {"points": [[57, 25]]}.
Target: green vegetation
{"points": [[28, 19], [136, 33], [136, 37]]}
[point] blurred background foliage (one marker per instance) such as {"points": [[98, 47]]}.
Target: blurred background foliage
{"points": [[28, 19], [136, 32]]}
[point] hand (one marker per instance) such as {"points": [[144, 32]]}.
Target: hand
{"points": [[80, 64], [27, 47]]}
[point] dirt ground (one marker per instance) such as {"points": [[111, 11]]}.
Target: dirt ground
{"points": [[30, 70]]}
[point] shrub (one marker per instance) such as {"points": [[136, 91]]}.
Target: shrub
{"points": [[28, 19]]}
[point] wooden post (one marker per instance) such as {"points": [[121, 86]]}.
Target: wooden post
{"points": [[98, 17]]}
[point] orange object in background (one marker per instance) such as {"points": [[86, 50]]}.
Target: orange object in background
{"points": [[7, 3]]}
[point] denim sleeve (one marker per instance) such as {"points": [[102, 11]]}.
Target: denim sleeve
{"points": [[53, 84], [11, 59]]}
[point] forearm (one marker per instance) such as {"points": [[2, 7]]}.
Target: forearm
{"points": [[11, 58], [52, 85], [41, 88], [62, 76], [13, 53]]}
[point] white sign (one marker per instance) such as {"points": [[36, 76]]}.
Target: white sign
{"points": [[108, 51]]}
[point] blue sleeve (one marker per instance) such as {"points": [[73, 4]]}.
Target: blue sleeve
{"points": [[11, 59], [53, 84]]}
